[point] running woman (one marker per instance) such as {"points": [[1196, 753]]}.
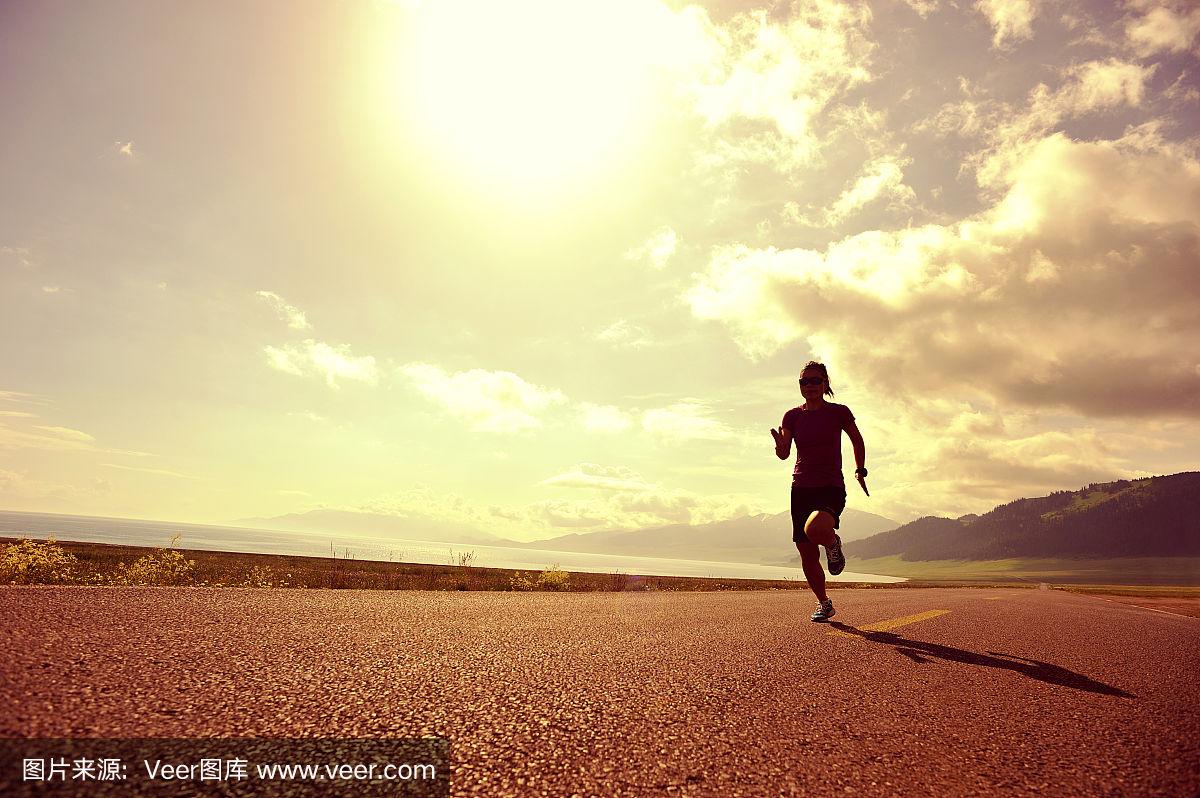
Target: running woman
{"points": [[818, 489]]}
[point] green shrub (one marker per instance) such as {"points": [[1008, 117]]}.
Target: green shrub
{"points": [[519, 581], [553, 578], [30, 562], [265, 576], [166, 567]]}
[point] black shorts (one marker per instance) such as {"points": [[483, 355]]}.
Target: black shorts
{"points": [[806, 501]]}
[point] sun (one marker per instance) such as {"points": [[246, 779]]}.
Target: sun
{"points": [[527, 96]]}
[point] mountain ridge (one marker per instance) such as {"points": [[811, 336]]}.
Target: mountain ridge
{"points": [[1148, 517], [761, 538]]}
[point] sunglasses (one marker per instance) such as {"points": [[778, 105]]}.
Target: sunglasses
{"points": [[812, 380]]}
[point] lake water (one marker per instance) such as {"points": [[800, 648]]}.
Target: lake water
{"points": [[266, 541]]}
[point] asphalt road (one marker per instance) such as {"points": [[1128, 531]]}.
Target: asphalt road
{"points": [[954, 692]]}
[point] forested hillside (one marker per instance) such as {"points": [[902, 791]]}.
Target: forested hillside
{"points": [[1152, 517]]}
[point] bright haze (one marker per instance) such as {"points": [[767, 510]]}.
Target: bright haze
{"points": [[548, 267]]}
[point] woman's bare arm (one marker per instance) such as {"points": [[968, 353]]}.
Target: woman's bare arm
{"points": [[860, 448]]}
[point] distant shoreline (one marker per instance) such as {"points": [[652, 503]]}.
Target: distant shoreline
{"points": [[238, 569], [666, 561]]}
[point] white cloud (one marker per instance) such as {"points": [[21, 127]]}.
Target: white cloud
{"points": [[968, 117], [293, 315], [1087, 88], [1085, 268], [320, 359], [22, 254], [738, 289], [491, 401], [604, 418], [130, 453], [1182, 90], [657, 250], [1170, 27], [965, 118], [289, 361], [880, 180], [780, 76], [1100, 85], [637, 509], [45, 437], [67, 433], [923, 7], [623, 334], [160, 472], [456, 514], [308, 415], [1011, 20], [621, 500], [124, 148], [336, 362], [688, 420], [949, 457], [598, 477], [883, 179], [17, 396]]}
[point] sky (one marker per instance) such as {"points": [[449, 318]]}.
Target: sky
{"points": [[543, 267]]}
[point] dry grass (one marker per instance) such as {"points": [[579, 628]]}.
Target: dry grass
{"points": [[72, 562], [29, 562], [104, 564]]}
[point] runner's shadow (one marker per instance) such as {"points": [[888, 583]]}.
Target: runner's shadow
{"points": [[920, 651]]}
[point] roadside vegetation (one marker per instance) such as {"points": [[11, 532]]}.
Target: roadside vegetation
{"points": [[553, 578], [25, 561], [34, 562], [29, 562]]}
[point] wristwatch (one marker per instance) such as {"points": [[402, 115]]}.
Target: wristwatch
{"points": [[860, 472]]}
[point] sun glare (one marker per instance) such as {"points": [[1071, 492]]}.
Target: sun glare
{"points": [[525, 97]]}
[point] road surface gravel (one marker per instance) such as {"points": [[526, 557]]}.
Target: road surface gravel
{"points": [[1008, 692]]}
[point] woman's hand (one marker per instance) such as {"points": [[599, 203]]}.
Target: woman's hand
{"points": [[783, 442]]}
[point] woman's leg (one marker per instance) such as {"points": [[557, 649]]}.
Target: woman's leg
{"points": [[819, 528], [810, 553], [810, 560]]}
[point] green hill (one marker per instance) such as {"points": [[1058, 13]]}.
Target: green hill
{"points": [[1142, 518]]}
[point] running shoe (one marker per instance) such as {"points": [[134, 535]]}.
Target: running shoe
{"points": [[824, 611], [833, 553]]}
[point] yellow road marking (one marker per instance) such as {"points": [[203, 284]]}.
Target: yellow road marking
{"points": [[894, 623], [992, 598]]}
